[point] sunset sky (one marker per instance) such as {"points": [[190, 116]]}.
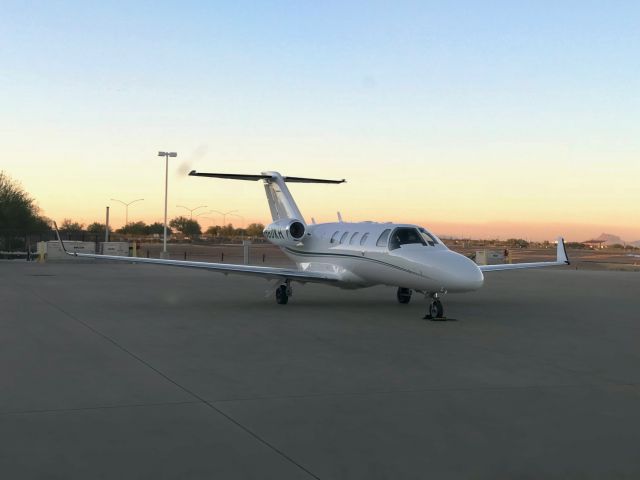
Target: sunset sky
{"points": [[492, 119]]}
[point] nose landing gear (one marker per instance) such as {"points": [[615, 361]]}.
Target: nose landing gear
{"points": [[283, 292], [436, 310]]}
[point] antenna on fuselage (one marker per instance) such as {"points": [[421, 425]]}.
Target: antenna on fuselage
{"points": [[313, 221], [339, 217]]}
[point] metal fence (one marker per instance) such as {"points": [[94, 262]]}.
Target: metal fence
{"points": [[18, 245]]}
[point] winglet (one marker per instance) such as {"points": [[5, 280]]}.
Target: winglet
{"points": [[562, 252], [55, 226]]}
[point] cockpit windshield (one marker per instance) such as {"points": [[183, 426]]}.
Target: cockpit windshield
{"points": [[404, 236], [430, 238]]}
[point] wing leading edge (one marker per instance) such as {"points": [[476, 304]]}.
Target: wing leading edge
{"points": [[561, 259], [269, 273]]}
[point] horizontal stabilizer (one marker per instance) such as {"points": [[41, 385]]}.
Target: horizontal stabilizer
{"points": [[240, 176], [311, 180], [232, 176]]}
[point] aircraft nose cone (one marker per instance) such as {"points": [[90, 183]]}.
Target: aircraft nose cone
{"points": [[464, 274], [477, 275]]}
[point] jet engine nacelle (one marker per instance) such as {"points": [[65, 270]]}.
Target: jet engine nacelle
{"points": [[285, 232]]}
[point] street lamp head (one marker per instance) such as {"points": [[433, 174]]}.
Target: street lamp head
{"points": [[173, 154], [161, 154], [167, 154]]}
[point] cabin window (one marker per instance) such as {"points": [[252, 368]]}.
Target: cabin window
{"points": [[405, 236], [382, 240], [354, 238], [429, 237], [334, 237], [364, 238], [344, 237]]}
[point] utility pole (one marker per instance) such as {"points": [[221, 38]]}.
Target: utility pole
{"points": [[106, 228], [166, 155]]}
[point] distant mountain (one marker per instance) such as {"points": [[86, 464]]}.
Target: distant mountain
{"points": [[610, 239]]}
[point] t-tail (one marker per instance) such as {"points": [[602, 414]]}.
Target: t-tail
{"points": [[281, 202]]}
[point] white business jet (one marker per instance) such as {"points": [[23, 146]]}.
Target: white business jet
{"points": [[351, 255]]}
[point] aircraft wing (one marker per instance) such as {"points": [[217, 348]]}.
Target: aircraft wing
{"points": [[269, 273], [561, 259]]}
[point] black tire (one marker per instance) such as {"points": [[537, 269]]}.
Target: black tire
{"points": [[281, 295], [436, 310], [404, 295]]}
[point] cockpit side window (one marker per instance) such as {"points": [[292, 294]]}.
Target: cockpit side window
{"points": [[364, 238], [354, 238], [429, 237], [405, 236], [334, 237], [382, 240], [343, 237]]}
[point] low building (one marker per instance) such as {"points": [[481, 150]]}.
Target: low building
{"points": [[595, 244]]}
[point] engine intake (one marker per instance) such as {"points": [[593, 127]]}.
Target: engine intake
{"points": [[296, 229], [285, 231]]}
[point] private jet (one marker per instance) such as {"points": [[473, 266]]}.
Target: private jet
{"points": [[350, 255]]}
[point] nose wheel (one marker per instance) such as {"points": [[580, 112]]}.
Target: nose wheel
{"points": [[283, 292], [436, 310]]}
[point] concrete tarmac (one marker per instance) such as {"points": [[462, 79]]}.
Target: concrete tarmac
{"points": [[133, 371]]}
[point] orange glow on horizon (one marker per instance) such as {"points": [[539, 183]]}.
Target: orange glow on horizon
{"points": [[453, 196]]}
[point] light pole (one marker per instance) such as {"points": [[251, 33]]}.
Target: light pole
{"points": [[166, 155], [191, 210], [224, 216], [214, 221], [203, 213], [126, 221], [246, 255], [240, 217]]}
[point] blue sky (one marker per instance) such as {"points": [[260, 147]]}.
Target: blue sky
{"points": [[461, 92]]}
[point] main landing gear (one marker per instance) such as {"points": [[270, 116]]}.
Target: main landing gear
{"points": [[283, 292], [404, 295], [436, 310]]}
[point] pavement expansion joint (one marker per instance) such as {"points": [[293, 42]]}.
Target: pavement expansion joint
{"points": [[98, 407], [182, 387], [480, 388]]}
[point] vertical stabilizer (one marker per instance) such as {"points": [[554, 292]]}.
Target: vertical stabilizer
{"points": [[281, 202]]}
